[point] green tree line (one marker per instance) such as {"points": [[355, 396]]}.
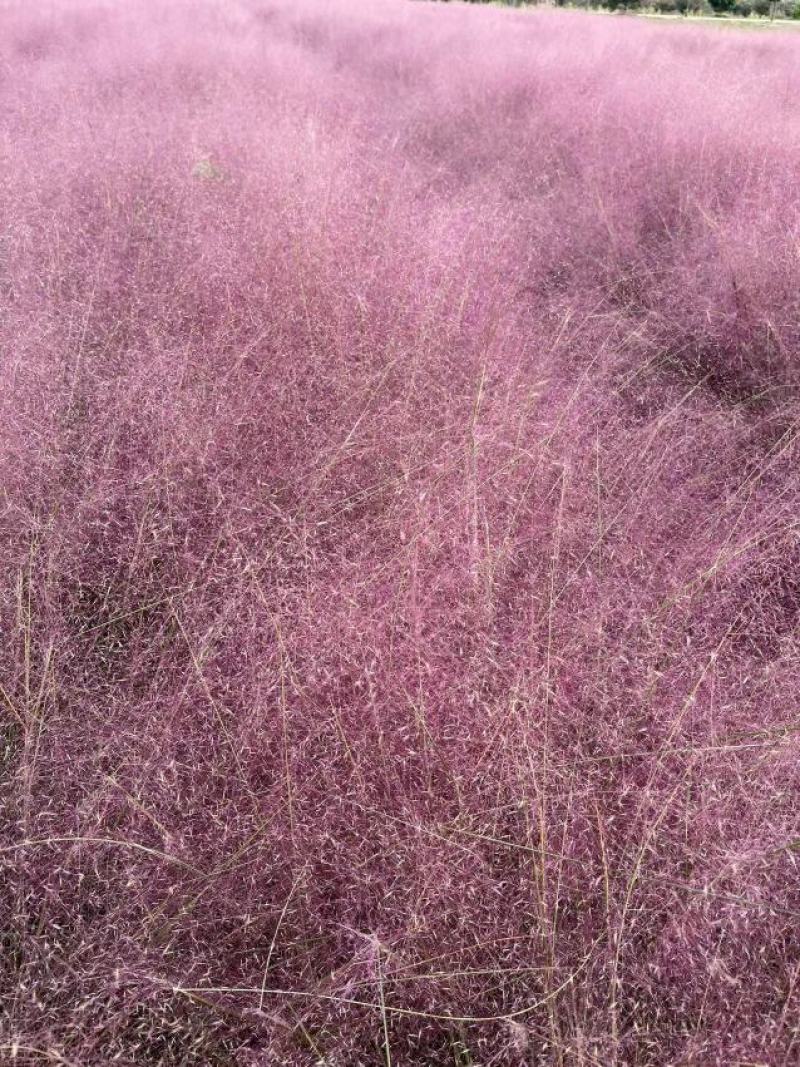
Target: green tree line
{"points": [[742, 8]]}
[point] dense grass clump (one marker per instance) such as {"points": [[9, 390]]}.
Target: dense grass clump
{"points": [[399, 544]]}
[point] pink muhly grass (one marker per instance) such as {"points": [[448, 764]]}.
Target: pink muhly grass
{"points": [[398, 525]]}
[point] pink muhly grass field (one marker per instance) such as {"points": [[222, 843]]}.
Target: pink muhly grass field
{"points": [[399, 538]]}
